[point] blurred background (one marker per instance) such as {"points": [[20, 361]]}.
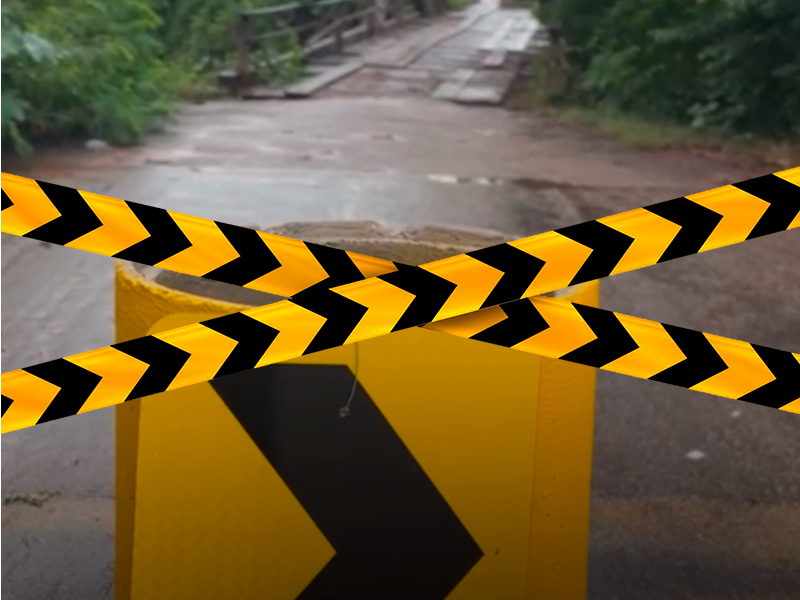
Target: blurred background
{"points": [[499, 117]]}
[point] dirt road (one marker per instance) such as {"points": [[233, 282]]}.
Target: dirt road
{"points": [[693, 496]]}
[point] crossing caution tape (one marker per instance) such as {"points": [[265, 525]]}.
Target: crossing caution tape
{"points": [[323, 316], [283, 266]]}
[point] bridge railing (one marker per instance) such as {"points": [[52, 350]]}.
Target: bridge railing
{"points": [[316, 26]]}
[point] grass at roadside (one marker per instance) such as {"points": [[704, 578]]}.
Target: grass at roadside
{"points": [[642, 134]]}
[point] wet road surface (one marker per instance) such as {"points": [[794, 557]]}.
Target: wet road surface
{"points": [[693, 496]]}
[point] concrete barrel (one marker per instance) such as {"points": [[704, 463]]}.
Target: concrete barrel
{"points": [[412, 465]]}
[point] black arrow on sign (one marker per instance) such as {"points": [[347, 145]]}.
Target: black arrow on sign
{"points": [[394, 534]]}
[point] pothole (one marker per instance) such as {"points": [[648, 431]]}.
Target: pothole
{"points": [[528, 184], [36, 499]]}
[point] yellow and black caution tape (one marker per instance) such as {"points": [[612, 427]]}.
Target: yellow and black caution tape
{"points": [[544, 326], [319, 318], [283, 266], [639, 348], [176, 242]]}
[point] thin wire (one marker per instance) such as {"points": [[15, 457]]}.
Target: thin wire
{"points": [[345, 410]]}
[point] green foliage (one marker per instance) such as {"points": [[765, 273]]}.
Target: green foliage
{"points": [[82, 67], [459, 4], [729, 66], [21, 51], [199, 33], [577, 19], [114, 68], [280, 62]]}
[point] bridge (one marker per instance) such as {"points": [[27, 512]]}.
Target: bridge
{"points": [[468, 56]]}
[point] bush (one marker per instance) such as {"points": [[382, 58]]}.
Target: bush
{"points": [[82, 67], [198, 34], [730, 66], [22, 52]]}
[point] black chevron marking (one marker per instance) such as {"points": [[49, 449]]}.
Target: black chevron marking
{"points": [[522, 321], [701, 361], [255, 258], [338, 265], [253, 337], [7, 402], [782, 390], [342, 314], [613, 340], [784, 203], [76, 385], [165, 362], [608, 247], [394, 535], [431, 293], [697, 224], [7, 203], [76, 218], [519, 270], [166, 238]]}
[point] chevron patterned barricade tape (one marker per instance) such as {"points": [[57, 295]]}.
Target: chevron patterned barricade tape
{"points": [[319, 318], [257, 337], [282, 266], [410, 512], [174, 241], [639, 348]]}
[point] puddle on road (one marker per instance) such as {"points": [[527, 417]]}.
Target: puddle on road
{"points": [[524, 183], [385, 136], [454, 179], [36, 500]]}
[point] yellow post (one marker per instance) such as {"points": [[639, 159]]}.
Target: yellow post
{"points": [[559, 542], [451, 467]]}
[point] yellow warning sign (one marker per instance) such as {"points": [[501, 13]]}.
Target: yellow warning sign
{"points": [[365, 471]]}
